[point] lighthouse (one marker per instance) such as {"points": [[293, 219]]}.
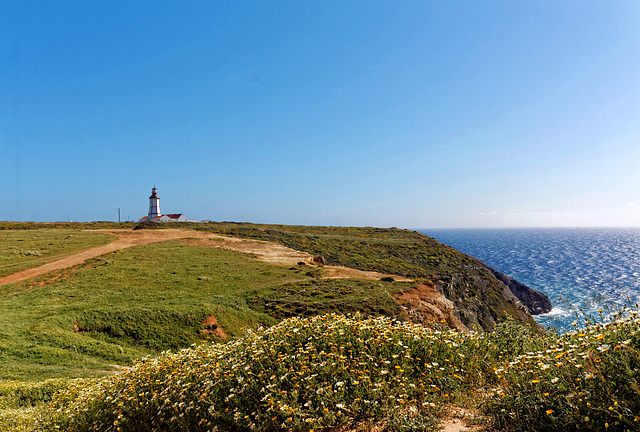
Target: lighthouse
{"points": [[154, 211], [154, 204]]}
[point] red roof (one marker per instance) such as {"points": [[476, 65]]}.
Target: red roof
{"points": [[170, 216]]}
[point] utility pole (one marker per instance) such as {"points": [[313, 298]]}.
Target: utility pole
{"points": [[118, 214]]}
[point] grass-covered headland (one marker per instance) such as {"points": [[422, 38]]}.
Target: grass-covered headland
{"points": [[320, 372], [479, 297], [330, 353]]}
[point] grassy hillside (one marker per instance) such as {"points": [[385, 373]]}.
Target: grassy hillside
{"points": [[369, 374], [479, 297], [27, 248], [142, 300], [139, 301], [311, 371], [15, 226]]}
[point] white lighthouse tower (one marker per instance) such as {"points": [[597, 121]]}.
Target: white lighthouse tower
{"points": [[154, 204]]}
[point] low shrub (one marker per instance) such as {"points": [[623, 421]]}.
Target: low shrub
{"points": [[19, 394], [334, 371], [587, 379], [302, 374], [23, 404]]}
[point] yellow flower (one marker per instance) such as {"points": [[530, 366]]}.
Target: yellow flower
{"points": [[549, 411]]}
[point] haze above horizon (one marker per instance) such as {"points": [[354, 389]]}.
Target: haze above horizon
{"points": [[415, 114]]}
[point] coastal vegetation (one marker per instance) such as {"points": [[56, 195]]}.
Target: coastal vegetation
{"points": [[321, 372], [92, 318], [118, 307], [13, 226], [180, 336], [479, 297]]}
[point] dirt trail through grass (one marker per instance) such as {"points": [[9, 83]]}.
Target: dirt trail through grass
{"points": [[268, 252]]}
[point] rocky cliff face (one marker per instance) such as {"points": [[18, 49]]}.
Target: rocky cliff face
{"points": [[480, 299], [537, 302]]}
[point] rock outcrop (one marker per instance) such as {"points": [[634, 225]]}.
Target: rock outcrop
{"points": [[537, 302]]}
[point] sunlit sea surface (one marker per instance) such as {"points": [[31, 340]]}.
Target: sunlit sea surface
{"points": [[573, 266]]}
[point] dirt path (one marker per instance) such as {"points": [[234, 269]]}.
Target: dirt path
{"points": [[268, 252], [456, 425], [457, 421]]}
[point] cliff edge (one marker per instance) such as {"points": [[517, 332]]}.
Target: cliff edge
{"points": [[477, 297], [536, 301]]}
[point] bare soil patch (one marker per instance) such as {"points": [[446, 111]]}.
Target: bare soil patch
{"points": [[424, 304], [211, 326], [458, 421], [456, 425]]}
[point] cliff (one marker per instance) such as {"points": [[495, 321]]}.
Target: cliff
{"points": [[537, 302], [477, 297]]}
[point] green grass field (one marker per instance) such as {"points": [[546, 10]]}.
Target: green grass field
{"points": [[23, 249], [146, 299]]}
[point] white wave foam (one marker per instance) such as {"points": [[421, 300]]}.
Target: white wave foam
{"points": [[557, 312]]}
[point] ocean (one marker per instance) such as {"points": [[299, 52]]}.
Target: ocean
{"points": [[578, 268]]}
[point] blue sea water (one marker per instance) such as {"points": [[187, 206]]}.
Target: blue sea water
{"points": [[573, 266]]}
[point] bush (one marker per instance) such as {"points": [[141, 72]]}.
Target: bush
{"points": [[302, 374], [328, 371], [584, 380]]}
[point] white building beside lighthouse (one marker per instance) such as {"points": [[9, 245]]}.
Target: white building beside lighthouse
{"points": [[154, 214]]}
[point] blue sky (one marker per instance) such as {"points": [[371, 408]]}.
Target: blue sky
{"points": [[417, 114]]}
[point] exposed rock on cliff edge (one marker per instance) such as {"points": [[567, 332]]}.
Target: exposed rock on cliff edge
{"points": [[537, 302]]}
